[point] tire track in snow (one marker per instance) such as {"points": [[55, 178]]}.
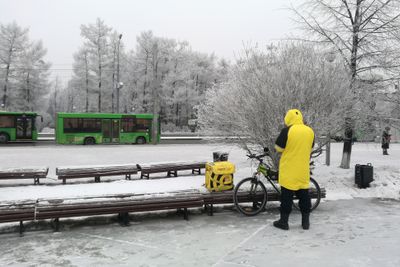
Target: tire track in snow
{"points": [[221, 260]]}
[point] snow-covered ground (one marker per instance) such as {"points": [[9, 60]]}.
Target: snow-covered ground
{"points": [[352, 227], [339, 183], [344, 233]]}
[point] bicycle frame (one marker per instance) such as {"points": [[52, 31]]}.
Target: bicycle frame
{"points": [[265, 170]]}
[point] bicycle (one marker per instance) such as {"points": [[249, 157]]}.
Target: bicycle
{"points": [[250, 195]]}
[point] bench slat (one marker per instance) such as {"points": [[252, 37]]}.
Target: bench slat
{"points": [[96, 171], [170, 167], [69, 170], [24, 173]]}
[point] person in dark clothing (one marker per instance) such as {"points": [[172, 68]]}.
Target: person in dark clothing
{"points": [[295, 142], [386, 140]]}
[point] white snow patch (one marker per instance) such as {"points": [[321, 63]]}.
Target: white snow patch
{"points": [[339, 183]]}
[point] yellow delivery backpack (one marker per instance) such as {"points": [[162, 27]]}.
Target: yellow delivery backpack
{"points": [[219, 175]]}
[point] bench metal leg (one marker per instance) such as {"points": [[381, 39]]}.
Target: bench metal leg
{"points": [[97, 179], [56, 225], [127, 177], [36, 180], [175, 173], [123, 218], [144, 175], [210, 209], [64, 181], [183, 211], [194, 171], [21, 228]]}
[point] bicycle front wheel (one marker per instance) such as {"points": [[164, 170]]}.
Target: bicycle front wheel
{"points": [[315, 194], [250, 196]]}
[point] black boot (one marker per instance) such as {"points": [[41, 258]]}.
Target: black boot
{"points": [[305, 221], [282, 223]]}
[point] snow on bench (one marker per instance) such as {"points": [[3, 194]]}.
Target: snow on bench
{"points": [[34, 173], [96, 171], [171, 168], [43, 209]]}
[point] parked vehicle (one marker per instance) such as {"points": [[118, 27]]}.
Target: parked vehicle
{"points": [[100, 128], [18, 126]]}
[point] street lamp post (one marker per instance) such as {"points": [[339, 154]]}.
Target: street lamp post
{"points": [[330, 57], [119, 84]]}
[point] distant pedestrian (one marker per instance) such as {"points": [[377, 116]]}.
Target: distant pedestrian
{"points": [[295, 142], [386, 140]]}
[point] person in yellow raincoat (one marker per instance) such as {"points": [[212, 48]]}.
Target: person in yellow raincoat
{"points": [[295, 142]]}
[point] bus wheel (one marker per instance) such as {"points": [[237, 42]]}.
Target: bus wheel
{"points": [[4, 138], [89, 141], [140, 140]]}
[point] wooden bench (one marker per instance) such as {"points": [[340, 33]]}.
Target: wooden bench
{"points": [[171, 168], [43, 209], [73, 172], [24, 173]]}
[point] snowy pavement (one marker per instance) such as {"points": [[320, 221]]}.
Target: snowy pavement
{"points": [[352, 227], [358, 232]]}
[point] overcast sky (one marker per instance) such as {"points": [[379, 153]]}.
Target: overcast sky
{"points": [[210, 26]]}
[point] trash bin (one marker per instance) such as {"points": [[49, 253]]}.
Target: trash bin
{"points": [[219, 176], [220, 156], [364, 175]]}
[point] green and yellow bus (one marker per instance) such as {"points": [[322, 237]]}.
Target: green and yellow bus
{"points": [[101, 128], [17, 126]]}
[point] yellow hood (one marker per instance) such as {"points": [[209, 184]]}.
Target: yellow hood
{"points": [[293, 116]]}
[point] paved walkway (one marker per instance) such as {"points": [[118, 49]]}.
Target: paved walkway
{"points": [[359, 232]]}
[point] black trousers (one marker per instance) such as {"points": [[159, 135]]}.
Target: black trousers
{"points": [[287, 200]]}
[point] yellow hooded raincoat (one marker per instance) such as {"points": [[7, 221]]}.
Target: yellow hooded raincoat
{"points": [[295, 143]]}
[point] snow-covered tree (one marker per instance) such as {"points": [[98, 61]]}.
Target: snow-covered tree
{"points": [[359, 31], [32, 85], [161, 76], [263, 85], [83, 78], [13, 42], [23, 70], [96, 38], [166, 75]]}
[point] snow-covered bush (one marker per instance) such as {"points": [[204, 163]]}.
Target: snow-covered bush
{"points": [[263, 85]]}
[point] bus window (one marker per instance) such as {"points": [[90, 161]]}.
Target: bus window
{"points": [[71, 125], [7, 121], [143, 125], [75, 125], [128, 125], [91, 125]]}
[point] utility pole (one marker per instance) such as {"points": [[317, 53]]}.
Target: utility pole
{"points": [[118, 82], [155, 94]]}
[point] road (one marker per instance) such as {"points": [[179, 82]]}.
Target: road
{"points": [[189, 139], [357, 232]]}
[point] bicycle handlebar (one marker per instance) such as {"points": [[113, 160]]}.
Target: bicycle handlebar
{"points": [[259, 158], [254, 156]]}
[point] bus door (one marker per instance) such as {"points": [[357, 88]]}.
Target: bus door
{"points": [[115, 130], [110, 129], [24, 127]]}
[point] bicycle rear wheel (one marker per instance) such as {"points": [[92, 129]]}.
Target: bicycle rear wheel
{"points": [[250, 196], [315, 195]]}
